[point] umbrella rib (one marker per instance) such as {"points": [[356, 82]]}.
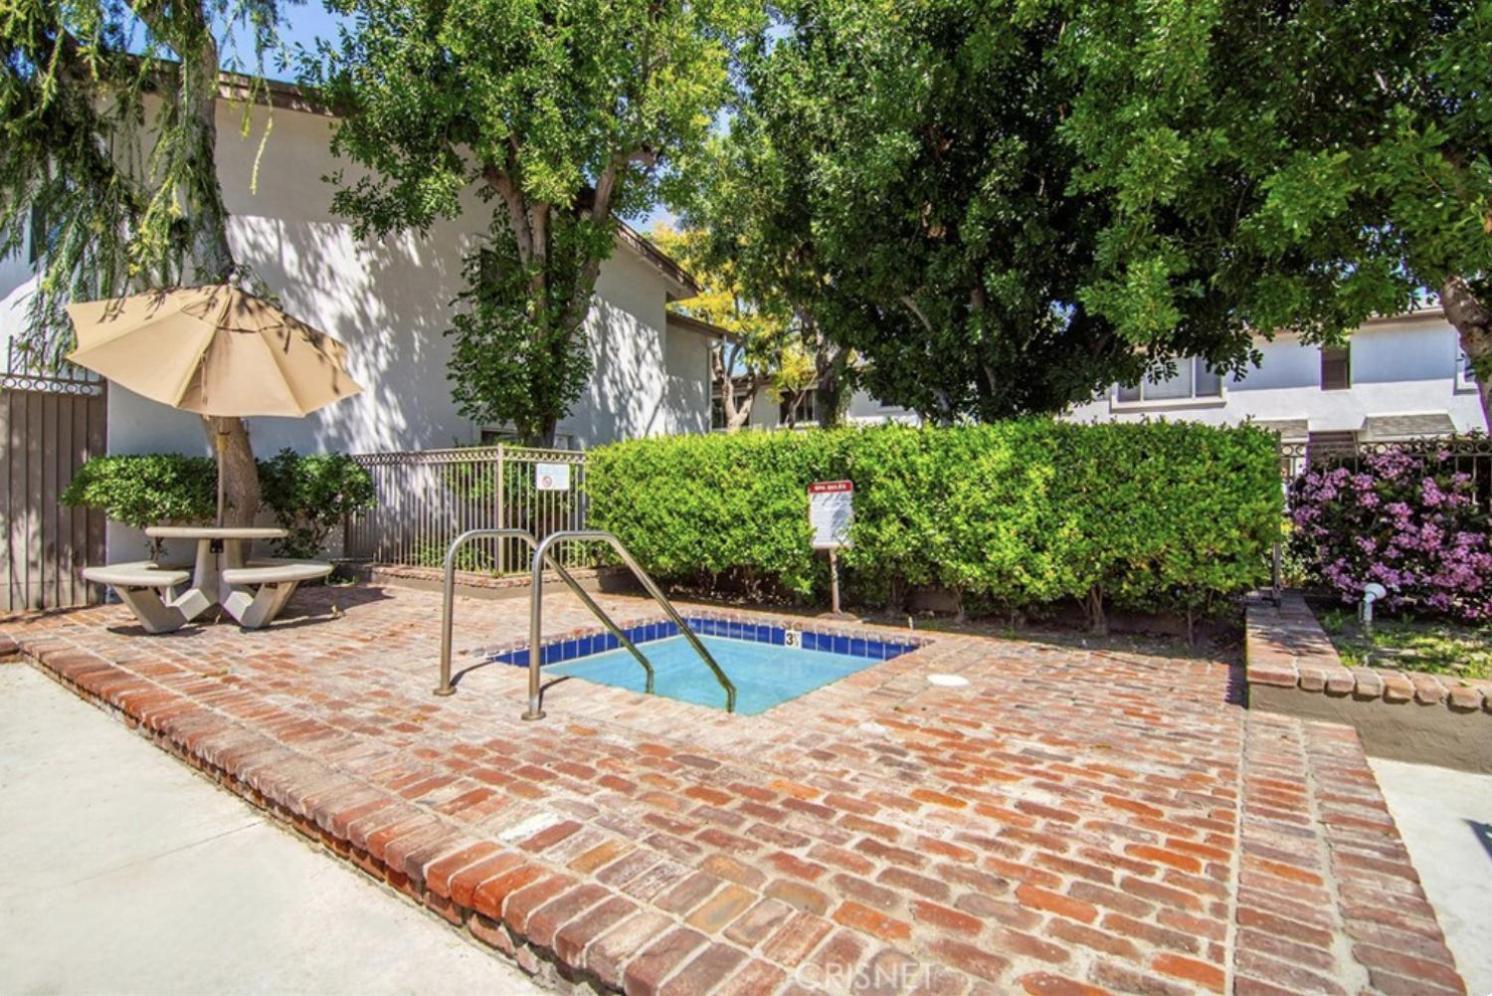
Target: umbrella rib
{"points": [[275, 358]]}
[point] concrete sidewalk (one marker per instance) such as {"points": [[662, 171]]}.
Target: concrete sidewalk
{"points": [[157, 882], [1445, 818]]}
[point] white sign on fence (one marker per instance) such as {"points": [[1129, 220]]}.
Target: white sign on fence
{"points": [[552, 476], [831, 509]]}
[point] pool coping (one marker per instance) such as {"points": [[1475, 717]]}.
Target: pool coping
{"points": [[911, 642]]}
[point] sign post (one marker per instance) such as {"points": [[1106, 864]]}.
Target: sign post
{"points": [[831, 511]]}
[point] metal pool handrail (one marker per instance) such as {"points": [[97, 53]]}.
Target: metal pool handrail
{"points": [[449, 592], [536, 602]]}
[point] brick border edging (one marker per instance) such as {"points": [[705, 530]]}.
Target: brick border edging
{"points": [[1292, 667], [1328, 898], [1287, 648], [542, 919]]}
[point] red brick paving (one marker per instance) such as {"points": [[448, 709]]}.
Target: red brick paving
{"points": [[1073, 821]]}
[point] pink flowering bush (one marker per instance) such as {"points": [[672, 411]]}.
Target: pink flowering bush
{"points": [[1405, 518]]}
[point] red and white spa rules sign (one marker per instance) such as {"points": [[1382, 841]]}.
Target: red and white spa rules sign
{"points": [[831, 511]]}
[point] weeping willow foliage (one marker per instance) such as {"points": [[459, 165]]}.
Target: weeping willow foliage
{"points": [[107, 173]]}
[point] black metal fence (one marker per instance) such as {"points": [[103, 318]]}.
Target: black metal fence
{"points": [[1470, 455]]}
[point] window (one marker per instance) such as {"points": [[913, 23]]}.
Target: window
{"points": [[1465, 375], [1193, 379], [1336, 368], [806, 409]]}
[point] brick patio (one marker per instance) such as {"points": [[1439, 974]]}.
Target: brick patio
{"points": [[1073, 821]]}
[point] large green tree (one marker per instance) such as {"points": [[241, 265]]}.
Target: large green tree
{"points": [[108, 162], [1291, 166], [563, 116], [917, 200], [1005, 206]]}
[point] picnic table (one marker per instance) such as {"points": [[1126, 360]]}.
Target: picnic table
{"points": [[252, 591]]}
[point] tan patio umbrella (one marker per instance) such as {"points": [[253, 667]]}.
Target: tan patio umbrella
{"points": [[213, 350]]}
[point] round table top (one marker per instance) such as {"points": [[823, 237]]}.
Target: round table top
{"points": [[215, 532]]}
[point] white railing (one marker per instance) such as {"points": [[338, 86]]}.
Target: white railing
{"points": [[426, 498]]}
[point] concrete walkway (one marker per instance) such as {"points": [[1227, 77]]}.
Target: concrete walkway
{"points": [[158, 882], [1445, 819]]}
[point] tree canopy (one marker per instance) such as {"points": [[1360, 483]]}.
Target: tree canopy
{"points": [[1285, 167], [1005, 206], [564, 116]]}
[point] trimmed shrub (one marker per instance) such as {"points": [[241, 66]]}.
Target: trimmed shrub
{"points": [[310, 495], [1156, 516], [1404, 518], [147, 490], [703, 508]]}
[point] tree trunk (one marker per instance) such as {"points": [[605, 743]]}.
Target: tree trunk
{"points": [[790, 401], [830, 363], [1098, 622], [1472, 319], [830, 410], [736, 415], [236, 464]]}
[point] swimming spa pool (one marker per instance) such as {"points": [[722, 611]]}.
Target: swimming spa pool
{"points": [[768, 664]]}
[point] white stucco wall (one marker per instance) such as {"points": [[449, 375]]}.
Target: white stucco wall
{"points": [[687, 361], [866, 410], [1399, 367]]}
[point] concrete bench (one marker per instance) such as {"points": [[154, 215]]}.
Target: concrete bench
{"points": [[137, 575], [141, 585], [260, 589]]}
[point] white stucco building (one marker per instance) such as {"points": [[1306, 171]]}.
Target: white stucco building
{"points": [[1395, 378], [768, 411], [390, 301]]}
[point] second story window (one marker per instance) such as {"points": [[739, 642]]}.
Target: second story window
{"points": [[1193, 379], [1336, 368]]}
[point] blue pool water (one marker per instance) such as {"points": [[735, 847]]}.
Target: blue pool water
{"points": [[765, 674]]}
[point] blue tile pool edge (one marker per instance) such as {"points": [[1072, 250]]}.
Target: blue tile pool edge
{"points": [[584, 643]]}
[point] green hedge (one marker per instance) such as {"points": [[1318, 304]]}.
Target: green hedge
{"points": [[1159, 516], [310, 495]]}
